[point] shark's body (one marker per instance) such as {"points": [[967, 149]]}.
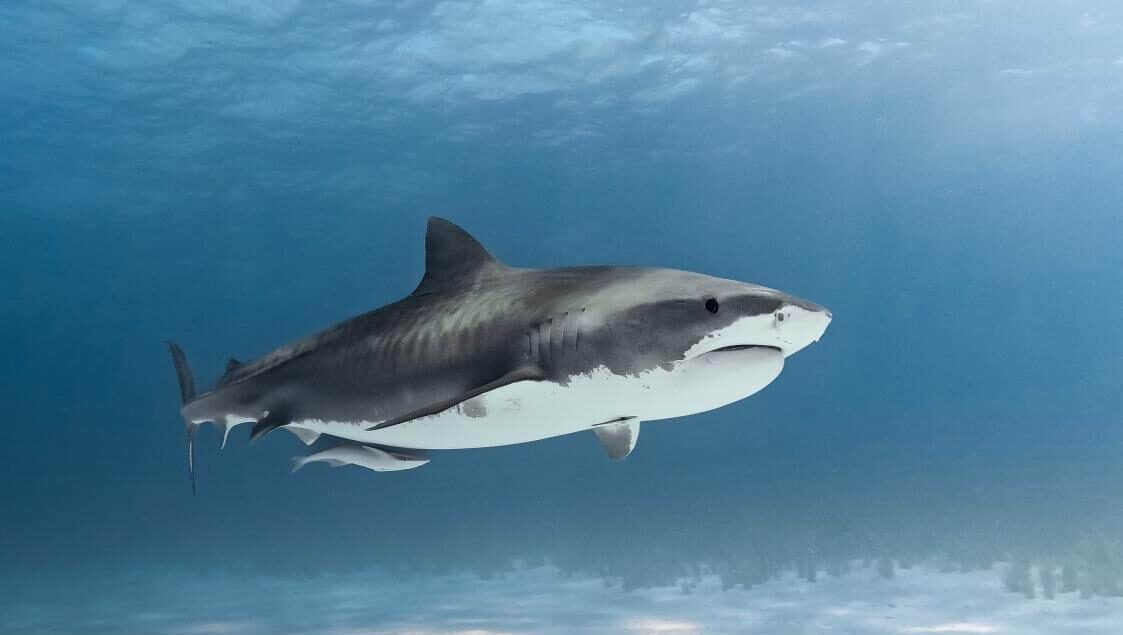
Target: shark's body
{"points": [[483, 354]]}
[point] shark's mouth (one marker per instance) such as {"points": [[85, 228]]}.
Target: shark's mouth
{"points": [[742, 347]]}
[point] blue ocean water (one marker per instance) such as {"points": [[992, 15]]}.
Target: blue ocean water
{"points": [[234, 175]]}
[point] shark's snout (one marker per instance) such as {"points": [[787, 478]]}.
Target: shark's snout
{"points": [[799, 324], [789, 326]]}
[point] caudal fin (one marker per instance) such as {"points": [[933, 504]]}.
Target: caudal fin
{"points": [[186, 393]]}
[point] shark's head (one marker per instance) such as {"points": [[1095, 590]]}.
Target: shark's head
{"points": [[704, 341]]}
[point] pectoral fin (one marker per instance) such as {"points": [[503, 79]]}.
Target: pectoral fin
{"points": [[525, 373], [618, 436]]}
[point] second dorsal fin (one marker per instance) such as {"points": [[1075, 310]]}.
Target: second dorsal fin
{"points": [[453, 256]]}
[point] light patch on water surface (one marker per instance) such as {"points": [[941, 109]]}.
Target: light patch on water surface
{"points": [[219, 627], [654, 626], [959, 627], [473, 631]]}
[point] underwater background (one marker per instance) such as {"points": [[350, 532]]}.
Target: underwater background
{"points": [[235, 174]]}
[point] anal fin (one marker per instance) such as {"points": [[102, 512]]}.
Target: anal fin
{"points": [[306, 436]]}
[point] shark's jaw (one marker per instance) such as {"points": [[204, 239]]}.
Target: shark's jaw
{"points": [[740, 347], [740, 360], [718, 377]]}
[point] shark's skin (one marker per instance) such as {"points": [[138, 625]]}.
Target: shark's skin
{"points": [[485, 354]]}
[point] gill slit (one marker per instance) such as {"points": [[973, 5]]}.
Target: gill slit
{"points": [[547, 339]]}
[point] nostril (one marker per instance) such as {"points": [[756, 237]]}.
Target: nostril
{"points": [[780, 317]]}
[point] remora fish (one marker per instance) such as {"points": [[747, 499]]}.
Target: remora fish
{"points": [[485, 354]]}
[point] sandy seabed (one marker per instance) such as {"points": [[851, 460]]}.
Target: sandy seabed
{"points": [[921, 599]]}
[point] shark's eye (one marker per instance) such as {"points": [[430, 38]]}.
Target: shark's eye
{"points": [[712, 305]]}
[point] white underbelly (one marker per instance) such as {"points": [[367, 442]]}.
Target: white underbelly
{"points": [[517, 413], [532, 410]]}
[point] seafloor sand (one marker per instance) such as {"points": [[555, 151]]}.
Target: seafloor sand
{"points": [[540, 600]]}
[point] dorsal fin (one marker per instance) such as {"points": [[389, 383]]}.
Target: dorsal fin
{"points": [[232, 365], [453, 256]]}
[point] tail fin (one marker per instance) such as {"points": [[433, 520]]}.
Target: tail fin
{"points": [[186, 393]]}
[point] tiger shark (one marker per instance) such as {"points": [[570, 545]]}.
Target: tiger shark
{"points": [[485, 354]]}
